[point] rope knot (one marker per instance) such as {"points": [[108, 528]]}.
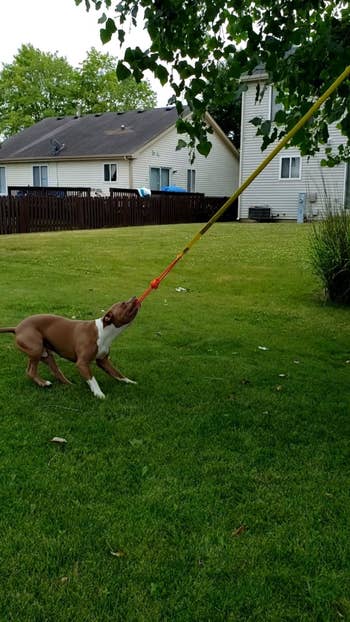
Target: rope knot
{"points": [[155, 283]]}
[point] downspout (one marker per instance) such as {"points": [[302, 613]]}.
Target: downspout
{"points": [[131, 175]]}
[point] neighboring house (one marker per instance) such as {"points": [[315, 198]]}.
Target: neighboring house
{"points": [[279, 186], [116, 150]]}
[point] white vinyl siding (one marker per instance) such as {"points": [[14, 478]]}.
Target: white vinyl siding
{"points": [[89, 174], [282, 194]]}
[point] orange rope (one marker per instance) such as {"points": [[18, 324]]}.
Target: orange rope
{"points": [[155, 283]]}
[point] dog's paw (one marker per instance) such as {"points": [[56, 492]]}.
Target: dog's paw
{"points": [[101, 396], [93, 384], [127, 380]]}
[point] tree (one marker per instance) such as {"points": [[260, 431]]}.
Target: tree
{"points": [[34, 86], [226, 110], [99, 90], [38, 85], [303, 45]]}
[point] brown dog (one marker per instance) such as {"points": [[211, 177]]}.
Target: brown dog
{"points": [[79, 341]]}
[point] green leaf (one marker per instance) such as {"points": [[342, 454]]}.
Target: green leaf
{"points": [[182, 126], [107, 32], [102, 19], [181, 144], [204, 148], [122, 71], [129, 55], [197, 86], [280, 117], [162, 74], [265, 128], [256, 121], [121, 36]]}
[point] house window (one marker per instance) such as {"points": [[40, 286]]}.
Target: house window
{"points": [[159, 177], [2, 180], [110, 172], [191, 180], [40, 176], [290, 167]]}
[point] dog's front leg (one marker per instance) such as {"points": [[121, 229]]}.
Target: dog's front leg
{"points": [[85, 371], [107, 366]]}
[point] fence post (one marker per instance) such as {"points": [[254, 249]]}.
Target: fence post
{"points": [[22, 214]]}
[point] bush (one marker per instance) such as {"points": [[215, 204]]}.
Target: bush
{"points": [[330, 253]]}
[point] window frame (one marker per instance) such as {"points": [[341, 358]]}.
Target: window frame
{"points": [[290, 158], [108, 167], [160, 169], [41, 168], [191, 180], [3, 190]]}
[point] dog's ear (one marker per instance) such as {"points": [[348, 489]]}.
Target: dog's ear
{"points": [[108, 318]]}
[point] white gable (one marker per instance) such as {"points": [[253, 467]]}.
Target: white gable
{"points": [[216, 175]]}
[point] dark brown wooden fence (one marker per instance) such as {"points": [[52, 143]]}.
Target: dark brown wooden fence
{"points": [[49, 213]]}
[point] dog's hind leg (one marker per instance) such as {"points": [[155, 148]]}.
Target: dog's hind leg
{"points": [[32, 346], [49, 360], [32, 372]]}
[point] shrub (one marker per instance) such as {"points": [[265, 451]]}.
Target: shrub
{"points": [[330, 253]]}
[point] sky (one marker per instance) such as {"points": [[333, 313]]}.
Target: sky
{"points": [[63, 27]]}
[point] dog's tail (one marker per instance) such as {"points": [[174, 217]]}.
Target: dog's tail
{"points": [[7, 330]]}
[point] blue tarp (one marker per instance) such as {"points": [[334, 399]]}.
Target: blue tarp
{"points": [[172, 189]]}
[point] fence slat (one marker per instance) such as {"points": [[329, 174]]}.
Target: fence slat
{"points": [[34, 213]]}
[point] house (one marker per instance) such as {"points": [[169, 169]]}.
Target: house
{"points": [[289, 181], [116, 150]]}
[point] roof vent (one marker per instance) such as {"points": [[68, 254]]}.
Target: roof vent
{"points": [[122, 127]]}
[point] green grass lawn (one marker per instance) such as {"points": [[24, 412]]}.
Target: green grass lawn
{"points": [[221, 480]]}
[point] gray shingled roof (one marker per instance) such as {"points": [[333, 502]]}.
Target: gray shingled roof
{"points": [[92, 135]]}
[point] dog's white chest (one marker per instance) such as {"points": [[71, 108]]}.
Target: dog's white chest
{"points": [[105, 337]]}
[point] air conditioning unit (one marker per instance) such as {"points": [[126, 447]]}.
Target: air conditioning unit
{"points": [[261, 213]]}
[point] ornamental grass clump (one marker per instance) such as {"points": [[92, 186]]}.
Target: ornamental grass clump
{"points": [[330, 253]]}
